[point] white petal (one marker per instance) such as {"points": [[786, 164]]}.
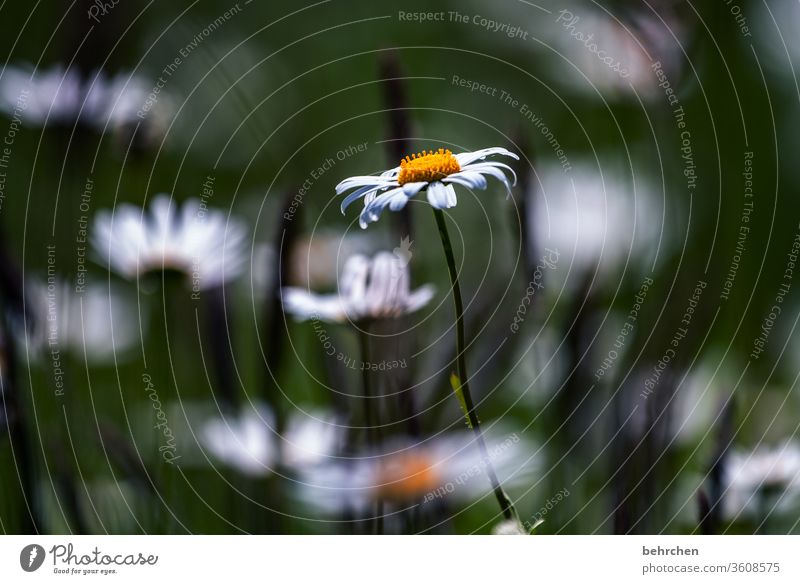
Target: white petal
{"points": [[374, 207], [420, 297], [452, 199], [388, 286], [471, 180], [482, 166], [353, 280], [359, 181], [441, 196], [498, 174], [305, 305], [357, 194], [469, 157], [411, 189]]}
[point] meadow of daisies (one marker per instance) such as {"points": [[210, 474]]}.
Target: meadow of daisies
{"points": [[336, 268]]}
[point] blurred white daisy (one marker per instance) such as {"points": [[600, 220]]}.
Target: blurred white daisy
{"points": [[448, 466], [368, 289], [118, 100], [245, 442], [96, 323], [773, 35], [613, 55], [509, 527], [64, 96], [313, 260], [751, 476], [311, 438], [53, 94], [435, 171], [207, 246], [250, 443], [593, 219]]}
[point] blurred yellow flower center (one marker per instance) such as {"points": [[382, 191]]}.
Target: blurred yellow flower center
{"points": [[427, 166], [407, 475]]}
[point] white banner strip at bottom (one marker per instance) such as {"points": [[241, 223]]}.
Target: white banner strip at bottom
{"points": [[400, 559]]}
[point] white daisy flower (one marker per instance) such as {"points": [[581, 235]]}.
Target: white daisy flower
{"points": [[751, 475], [435, 171], [368, 288], [443, 467], [245, 442], [205, 245]]}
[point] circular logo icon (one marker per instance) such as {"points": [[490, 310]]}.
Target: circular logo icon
{"points": [[31, 557]]}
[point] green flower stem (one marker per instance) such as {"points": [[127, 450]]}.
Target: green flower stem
{"points": [[505, 503]]}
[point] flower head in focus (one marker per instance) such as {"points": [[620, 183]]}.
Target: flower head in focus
{"points": [[435, 172], [204, 245], [368, 289]]}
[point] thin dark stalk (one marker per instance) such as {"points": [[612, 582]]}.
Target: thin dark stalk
{"points": [[705, 524], [219, 340], [166, 377], [505, 503], [68, 493], [274, 333], [398, 115], [395, 100], [13, 412], [524, 211], [724, 437], [20, 446], [371, 417], [369, 411]]}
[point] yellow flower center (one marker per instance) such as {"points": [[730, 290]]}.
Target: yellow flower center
{"points": [[427, 166]]}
